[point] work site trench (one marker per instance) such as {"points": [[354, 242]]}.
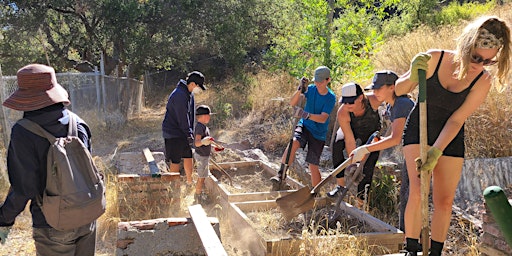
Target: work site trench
{"points": [[242, 210]]}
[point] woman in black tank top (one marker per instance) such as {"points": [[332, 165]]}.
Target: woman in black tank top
{"points": [[358, 118], [457, 84]]}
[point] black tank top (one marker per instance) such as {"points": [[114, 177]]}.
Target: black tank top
{"points": [[363, 126], [441, 104]]}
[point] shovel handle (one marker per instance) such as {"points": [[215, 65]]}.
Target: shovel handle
{"points": [[333, 173], [424, 176]]}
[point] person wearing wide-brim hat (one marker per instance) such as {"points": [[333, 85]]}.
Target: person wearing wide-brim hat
{"points": [[43, 100]]}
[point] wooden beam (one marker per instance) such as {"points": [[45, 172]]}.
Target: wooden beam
{"points": [[209, 238], [153, 168]]}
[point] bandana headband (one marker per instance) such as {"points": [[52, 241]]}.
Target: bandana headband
{"points": [[487, 40]]}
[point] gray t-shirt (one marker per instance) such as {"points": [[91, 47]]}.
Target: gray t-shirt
{"points": [[202, 130]]}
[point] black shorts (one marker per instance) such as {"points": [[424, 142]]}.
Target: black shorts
{"points": [[315, 146], [456, 148], [176, 149], [369, 166]]}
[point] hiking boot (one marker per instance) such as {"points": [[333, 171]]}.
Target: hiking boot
{"points": [[276, 180], [336, 191]]}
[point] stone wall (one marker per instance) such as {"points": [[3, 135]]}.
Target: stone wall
{"points": [[164, 236], [478, 174]]}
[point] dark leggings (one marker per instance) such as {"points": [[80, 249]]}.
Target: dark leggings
{"points": [[369, 166]]}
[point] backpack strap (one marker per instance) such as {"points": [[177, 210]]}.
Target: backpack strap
{"points": [[36, 129], [72, 124]]}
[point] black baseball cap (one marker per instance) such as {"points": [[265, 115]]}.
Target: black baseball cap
{"points": [[203, 110], [196, 77], [382, 78]]}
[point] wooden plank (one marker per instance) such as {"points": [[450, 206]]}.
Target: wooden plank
{"points": [[209, 238], [374, 222], [153, 168]]}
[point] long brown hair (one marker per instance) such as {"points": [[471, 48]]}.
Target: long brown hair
{"points": [[466, 46]]}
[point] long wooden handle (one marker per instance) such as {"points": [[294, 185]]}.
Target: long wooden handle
{"points": [[424, 176], [333, 173]]}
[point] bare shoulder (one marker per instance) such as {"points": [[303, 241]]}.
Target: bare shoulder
{"points": [[484, 83], [343, 113], [374, 101]]}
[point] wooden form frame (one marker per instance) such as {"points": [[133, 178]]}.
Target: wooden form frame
{"points": [[385, 239], [217, 188]]}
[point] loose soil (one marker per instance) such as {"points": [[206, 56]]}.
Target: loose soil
{"points": [[246, 179], [270, 224]]}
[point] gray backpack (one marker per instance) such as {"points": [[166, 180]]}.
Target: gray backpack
{"points": [[75, 194]]}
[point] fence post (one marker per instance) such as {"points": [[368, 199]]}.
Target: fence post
{"points": [[103, 90], [98, 90], [5, 127]]}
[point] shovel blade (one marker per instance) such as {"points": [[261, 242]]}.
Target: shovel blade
{"points": [[296, 203]]}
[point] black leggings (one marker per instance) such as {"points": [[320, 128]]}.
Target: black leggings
{"points": [[369, 166]]}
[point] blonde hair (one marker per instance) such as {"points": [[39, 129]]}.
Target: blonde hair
{"points": [[467, 41]]}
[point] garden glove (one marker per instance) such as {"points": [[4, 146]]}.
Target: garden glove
{"points": [[359, 153], [206, 141], [433, 155], [4, 232], [303, 85], [218, 149], [419, 62], [300, 113]]}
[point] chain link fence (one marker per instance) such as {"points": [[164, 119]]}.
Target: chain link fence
{"points": [[98, 99]]}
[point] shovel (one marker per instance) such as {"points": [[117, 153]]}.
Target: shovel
{"points": [[225, 173], [352, 180], [337, 206], [282, 179], [424, 176], [303, 199]]}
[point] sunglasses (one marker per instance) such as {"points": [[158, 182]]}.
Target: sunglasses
{"points": [[478, 59], [350, 103]]}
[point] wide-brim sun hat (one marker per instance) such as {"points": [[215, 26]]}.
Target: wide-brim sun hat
{"points": [[37, 88]]}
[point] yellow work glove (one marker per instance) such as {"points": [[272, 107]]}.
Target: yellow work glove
{"points": [[433, 155], [420, 61]]}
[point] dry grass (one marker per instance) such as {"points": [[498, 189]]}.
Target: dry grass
{"points": [[488, 130]]}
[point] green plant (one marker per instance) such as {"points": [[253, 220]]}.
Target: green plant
{"points": [[384, 196]]}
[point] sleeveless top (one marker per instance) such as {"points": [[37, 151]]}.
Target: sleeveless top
{"points": [[441, 104], [363, 126]]}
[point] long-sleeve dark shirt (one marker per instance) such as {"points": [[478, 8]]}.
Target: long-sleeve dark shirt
{"points": [[180, 113], [26, 163]]}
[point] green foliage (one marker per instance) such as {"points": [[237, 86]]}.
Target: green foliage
{"points": [[455, 12], [352, 36], [384, 193], [141, 35]]}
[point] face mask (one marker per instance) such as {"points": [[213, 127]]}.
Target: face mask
{"points": [[196, 90]]}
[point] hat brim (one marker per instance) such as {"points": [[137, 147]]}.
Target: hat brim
{"points": [[28, 100], [200, 114], [202, 87], [348, 99], [373, 86]]}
